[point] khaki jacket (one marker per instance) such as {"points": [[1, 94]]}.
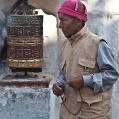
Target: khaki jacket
{"points": [[77, 53]]}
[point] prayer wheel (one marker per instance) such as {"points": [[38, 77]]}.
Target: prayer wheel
{"points": [[25, 39]]}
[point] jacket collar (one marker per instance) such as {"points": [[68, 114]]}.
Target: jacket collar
{"points": [[74, 38]]}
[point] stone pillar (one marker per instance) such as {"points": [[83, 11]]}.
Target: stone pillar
{"points": [[24, 103], [25, 98]]}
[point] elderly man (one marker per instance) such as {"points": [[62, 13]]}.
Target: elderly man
{"points": [[87, 69]]}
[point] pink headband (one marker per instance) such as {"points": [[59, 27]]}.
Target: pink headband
{"points": [[74, 8]]}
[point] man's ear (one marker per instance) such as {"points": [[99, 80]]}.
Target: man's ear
{"points": [[79, 21]]}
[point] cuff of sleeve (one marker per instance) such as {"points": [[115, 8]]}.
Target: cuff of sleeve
{"points": [[87, 80], [60, 80]]}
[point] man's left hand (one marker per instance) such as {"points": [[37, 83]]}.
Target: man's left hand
{"points": [[76, 82]]}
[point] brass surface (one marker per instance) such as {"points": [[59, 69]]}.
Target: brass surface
{"points": [[34, 63], [24, 41]]}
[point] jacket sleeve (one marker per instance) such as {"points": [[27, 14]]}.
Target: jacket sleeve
{"points": [[109, 71]]}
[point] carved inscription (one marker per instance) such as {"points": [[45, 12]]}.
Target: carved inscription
{"points": [[26, 52], [25, 41], [24, 19], [21, 26], [28, 31]]}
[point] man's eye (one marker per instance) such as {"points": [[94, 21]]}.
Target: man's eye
{"points": [[62, 19]]}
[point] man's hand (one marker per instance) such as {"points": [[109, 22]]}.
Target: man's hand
{"points": [[57, 89], [76, 82]]}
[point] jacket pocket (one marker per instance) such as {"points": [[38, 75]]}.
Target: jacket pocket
{"points": [[89, 96], [91, 103], [92, 100], [87, 63]]}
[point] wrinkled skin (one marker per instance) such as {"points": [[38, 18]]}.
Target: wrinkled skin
{"points": [[57, 89], [76, 83]]}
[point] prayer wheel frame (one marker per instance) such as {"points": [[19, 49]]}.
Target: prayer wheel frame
{"points": [[25, 40]]}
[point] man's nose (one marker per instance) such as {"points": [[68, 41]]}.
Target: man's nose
{"points": [[60, 25]]}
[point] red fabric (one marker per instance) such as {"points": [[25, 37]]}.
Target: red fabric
{"points": [[74, 8]]}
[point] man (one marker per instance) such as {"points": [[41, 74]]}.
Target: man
{"points": [[87, 69]]}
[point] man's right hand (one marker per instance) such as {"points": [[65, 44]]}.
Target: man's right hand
{"points": [[57, 89]]}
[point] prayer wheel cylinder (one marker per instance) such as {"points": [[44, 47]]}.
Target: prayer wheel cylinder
{"points": [[25, 39]]}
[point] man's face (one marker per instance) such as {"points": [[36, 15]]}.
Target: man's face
{"points": [[69, 25]]}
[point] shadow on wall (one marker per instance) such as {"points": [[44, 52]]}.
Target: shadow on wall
{"points": [[3, 36]]}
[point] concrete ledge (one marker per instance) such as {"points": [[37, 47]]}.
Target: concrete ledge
{"points": [[22, 81], [43, 84]]}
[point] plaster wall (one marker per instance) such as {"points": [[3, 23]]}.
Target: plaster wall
{"points": [[103, 20]]}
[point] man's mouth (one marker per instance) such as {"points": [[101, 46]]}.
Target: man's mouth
{"points": [[64, 32]]}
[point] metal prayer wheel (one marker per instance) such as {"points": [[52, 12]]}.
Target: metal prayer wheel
{"points": [[25, 39]]}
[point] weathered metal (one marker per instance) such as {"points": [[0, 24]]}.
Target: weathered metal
{"points": [[25, 38]]}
